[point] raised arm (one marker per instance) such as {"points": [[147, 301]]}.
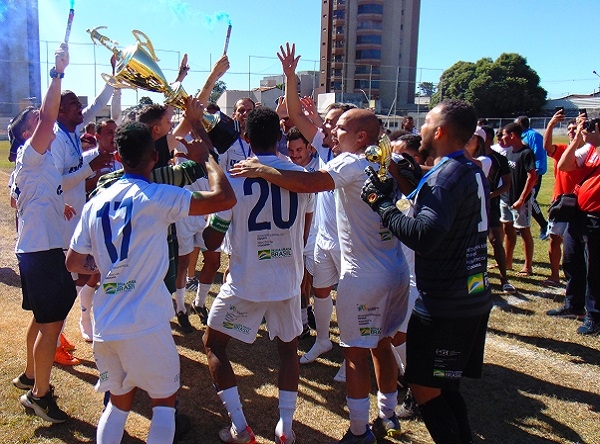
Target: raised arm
{"points": [[44, 130], [568, 161], [289, 61], [220, 197], [558, 117]]}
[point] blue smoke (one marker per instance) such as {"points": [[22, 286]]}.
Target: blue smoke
{"points": [[5, 5]]}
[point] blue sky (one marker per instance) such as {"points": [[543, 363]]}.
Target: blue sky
{"points": [[556, 37]]}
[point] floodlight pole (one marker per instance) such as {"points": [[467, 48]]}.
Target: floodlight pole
{"points": [[597, 75]]}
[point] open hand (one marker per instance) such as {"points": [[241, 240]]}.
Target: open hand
{"points": [[246, 168], [288, 59], [61, 57]]}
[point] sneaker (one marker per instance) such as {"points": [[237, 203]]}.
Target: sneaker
{"points": [[202, 313], [305, 332], [312, 322], [340, 376], [191, 284], [23, 382], [383, 427], [365, 438], [63, 357], [229, 434], [184, 322], [65, 343], [409, 408], [285, 440], [44, 407], [508, 288], [567, 312], [319, 348], [589, 327], [85, 327]]}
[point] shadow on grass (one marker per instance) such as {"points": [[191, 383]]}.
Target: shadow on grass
{"points": [[77, 431], [501, 407], [580, 354], [8, 276]]}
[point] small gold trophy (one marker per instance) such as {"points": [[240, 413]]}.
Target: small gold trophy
{"points": [[380, 154], [137, 68]]}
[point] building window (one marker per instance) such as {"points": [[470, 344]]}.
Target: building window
{"points": [[376, 39], [339, 14], [367, 69], [370, 9], [368, 54], [336, 73], [365, 84], [370, 24], [336, 85], [338, 59]]}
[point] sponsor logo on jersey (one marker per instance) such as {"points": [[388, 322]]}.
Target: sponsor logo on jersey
{"points": [[475, 283], [276, 253], [370, 331], [103, 376], [451, 374], [239, 327], [59, 190], [117, 287], [364, 307]]}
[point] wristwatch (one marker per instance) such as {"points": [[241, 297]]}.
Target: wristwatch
{"points": [[55, 74]]}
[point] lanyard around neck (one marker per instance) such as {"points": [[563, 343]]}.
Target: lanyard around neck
{"points": [[430, 172], [75, 143], [242, 147]]}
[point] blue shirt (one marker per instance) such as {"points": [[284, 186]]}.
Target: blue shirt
{"points": [[535, 141]]}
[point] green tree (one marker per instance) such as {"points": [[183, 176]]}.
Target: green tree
{"points": [[217, 90], [426, 89], [506, 87], [145, 100]]}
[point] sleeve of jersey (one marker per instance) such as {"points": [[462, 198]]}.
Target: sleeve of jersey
{"points": [[176, 201], [310, 207], [341, 171], [180, 175], [81, 242], [529, 161], [425, 232], [30, 156], [99, 102]]}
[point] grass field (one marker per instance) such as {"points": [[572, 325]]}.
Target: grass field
{"points": [[541, 381]]}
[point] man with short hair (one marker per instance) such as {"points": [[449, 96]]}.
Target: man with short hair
{"points": [[133, 344], [446, 332], [373, 287], [240, 149], [408, 124], [515, 205], [535, 142], [267, 231]]}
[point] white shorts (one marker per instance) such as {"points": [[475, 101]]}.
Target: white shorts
{"points": [[241, 319], [327, 267], [557, 228], [521, 218], [149, 362], [413, 294], [371, 308], [189, 236]]}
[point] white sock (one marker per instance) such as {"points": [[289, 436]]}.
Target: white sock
{"points": [[162, 426], [304, 313], [111, 425], [201, 294], [323, 310], [387, 403], [231, 400], [86, 298], [359, 414], [78, 288], [287, 407], [180, 300]]}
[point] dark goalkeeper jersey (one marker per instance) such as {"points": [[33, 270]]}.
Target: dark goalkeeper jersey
{"points": [[449, 235]]}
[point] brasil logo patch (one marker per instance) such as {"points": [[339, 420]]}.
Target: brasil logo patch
{"points": [[475, 283]]}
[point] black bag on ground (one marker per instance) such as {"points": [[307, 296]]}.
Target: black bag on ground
{"points": [[564, 208]]}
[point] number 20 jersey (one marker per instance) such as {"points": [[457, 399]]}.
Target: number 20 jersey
{"points": [[266, 236]]}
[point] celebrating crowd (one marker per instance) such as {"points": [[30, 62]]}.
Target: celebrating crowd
{"points": [[118, 216]]}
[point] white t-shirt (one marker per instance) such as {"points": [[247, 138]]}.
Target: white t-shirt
{"points": [[266, 237], [324, 152], [125, 229], [238, 151], [37, 188], [368, 248]]}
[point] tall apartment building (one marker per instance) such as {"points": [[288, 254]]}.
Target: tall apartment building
{"points": [[20, 48], [370, 47]]}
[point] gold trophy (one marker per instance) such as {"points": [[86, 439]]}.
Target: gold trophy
{"points": [[380, 154], [137, 68]]}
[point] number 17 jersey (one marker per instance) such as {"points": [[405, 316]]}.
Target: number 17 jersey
{"points": [[266, 237]]}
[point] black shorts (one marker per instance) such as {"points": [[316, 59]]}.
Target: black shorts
{"points": [[48, 288], [439, 352]]}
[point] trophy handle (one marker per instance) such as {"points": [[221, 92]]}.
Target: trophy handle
{"points": [[147, 43], [115, 83]]}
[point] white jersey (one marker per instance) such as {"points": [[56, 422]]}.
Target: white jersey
{"points": [[238, 151], [36, 186], [190, 225], [125, 229], [368, 248], [309, 249], [325, 216], [266, 237]]}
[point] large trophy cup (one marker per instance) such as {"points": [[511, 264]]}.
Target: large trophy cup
{"points": [[137, 68], [380, 154]]}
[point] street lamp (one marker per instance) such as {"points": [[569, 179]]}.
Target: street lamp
{"points": [[366, 97], [597, 75]]}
